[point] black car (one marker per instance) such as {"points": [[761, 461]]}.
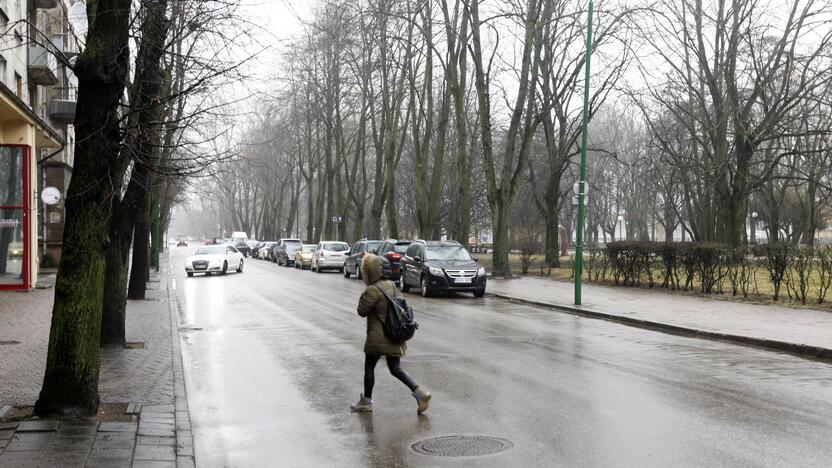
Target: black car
{"points": [[393, 251], [441, 266], [243, 247], [286, 254], [352, 265], [283, 253]]}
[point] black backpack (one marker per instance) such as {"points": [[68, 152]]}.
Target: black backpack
{"points": [[399, 325]]}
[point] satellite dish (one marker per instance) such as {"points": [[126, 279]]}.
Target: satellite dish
{"points": [[50, 196], [77, 17]]}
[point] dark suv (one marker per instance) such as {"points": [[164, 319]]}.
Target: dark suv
{"points": [[352, 265], [283, 253], [441, 266], [394, 250]]}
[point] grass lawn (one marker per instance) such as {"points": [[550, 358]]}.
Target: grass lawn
{"points": [[761, 288]]}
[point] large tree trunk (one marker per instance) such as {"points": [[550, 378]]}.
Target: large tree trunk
{"points": [[140, 264], [70, 383]]}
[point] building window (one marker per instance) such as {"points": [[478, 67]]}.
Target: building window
{"points": [[2, 70], [18, 82]]}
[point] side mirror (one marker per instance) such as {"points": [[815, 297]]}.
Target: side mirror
{"points": [[417, 259]]}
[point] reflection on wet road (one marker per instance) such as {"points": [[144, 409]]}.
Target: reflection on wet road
{"points": [[273, 358]]}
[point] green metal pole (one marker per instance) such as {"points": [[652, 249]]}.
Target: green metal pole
{"points": [[579, 245]]}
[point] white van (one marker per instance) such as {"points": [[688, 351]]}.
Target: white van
{"points": [[238, 236]]}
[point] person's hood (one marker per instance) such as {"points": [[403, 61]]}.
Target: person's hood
{"points": [[371, 269]]}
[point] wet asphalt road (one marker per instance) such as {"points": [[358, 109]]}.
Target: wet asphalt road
{"points": [[273, 358]]}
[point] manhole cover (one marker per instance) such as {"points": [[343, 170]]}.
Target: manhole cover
{"points": [[427, 357], [8, 343], [462, 446]]}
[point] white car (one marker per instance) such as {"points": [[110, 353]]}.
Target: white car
{"points": [[330, 255], [214, 259]]}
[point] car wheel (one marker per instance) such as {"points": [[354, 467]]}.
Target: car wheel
{"points": [[358, 272], [425, 288], [190, 274], [318, 270], [224, 267], [240, 268], [479, 293], [346, 273], [403, 284]]}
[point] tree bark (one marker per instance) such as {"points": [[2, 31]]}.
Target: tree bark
{"points": [[70, 383]]}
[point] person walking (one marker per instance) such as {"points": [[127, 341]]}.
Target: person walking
{"points": [[373, 305]]}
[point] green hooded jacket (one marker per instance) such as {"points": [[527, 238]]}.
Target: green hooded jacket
{"points": [[373, 305]]}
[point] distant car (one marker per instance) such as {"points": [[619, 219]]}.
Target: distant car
{"points": [[279, 254], [181, 243], [329, 255], [394, 250], [352, 265], [265, 250], [441, 266], [303, 257], [253, 245], [242, 246], [209, 242], [214, 259], [286, 254]]}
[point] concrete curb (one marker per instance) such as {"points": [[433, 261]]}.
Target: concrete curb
{"points": [[802, 350], [185, 456]]}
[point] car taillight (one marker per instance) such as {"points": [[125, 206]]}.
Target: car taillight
{"points": [[393, 256]]}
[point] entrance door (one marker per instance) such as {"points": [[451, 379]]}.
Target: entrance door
{"points": [[14, 239]]}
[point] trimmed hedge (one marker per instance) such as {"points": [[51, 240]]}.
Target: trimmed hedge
{"points": [[711, 268]]}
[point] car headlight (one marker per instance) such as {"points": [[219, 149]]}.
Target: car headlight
{"points": [[436, 271], [481, 271]]}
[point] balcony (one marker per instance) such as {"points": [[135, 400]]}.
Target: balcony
{"points": [[46, 4], [62, 106], [42, 66]]}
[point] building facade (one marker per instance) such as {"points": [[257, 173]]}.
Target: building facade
{"points": [[37, 108]]}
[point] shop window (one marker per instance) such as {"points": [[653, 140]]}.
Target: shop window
{"points": [[13, 248]]}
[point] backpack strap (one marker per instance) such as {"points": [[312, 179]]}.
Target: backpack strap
{"points": [[385, 292]]}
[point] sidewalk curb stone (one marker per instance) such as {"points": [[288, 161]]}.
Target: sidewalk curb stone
{"points": [[792, 348], [185, 457]]}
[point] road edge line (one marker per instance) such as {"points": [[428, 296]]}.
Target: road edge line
{"points": [[801, 350]]}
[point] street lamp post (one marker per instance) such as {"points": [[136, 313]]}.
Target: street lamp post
{"points": [[579, 245], [620, 225]]}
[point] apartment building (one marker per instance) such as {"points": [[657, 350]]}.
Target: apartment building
{"points": [[37, 109]]}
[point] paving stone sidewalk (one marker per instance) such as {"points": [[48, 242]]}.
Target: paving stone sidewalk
{"points": [[803, 331], [147, 378]]}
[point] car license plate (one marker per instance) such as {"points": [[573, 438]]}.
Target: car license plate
{"points": [[463, 280]]}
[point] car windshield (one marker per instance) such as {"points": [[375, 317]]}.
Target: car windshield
{"points": [[218, 250], [335, 247], [309, 248], [400, 248], [447, 252], [372, 247], [293, 243]]}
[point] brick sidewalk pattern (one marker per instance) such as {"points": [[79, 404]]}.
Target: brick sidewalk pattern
{"points": [[758, 323], [150, 380], [141, 376]]}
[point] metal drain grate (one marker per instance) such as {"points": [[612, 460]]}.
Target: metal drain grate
{"points": [[462, 446], [8, 343]]}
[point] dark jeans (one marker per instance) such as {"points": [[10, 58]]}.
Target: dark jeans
{"points": [[393, 364]]}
